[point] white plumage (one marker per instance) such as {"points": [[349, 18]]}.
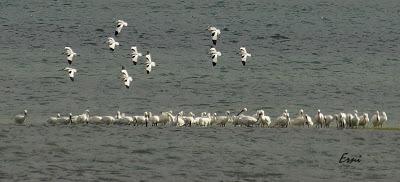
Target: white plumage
{"points": [[20, 118], [135, 55], [112, 43], [214, 34], [149, 63], [214, 55], [244, 54], [120, 25], [126, 79], [70, 54], [71, 72]]}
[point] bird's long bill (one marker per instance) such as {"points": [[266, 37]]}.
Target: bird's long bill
{"points": [[240, 112]]}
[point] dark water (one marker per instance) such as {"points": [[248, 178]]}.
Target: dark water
{"points": [[333, 55], [113, 153]]}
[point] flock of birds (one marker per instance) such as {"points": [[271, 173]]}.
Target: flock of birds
{"points": [[342, 120], [259, 118], [135, 54]]}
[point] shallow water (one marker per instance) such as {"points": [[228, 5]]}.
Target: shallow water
{"points": [[123, 153]]}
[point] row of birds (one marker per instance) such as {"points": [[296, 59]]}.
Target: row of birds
{"points": [[126, 79], [342, 120]]}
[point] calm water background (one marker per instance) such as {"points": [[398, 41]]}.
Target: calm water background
{"points": [[332, 55]]}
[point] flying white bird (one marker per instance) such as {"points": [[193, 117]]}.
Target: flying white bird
{"points": [[71, 72], [214, 55], [112, 43], [20, 118], [70, 54], [120, 25], [244, 55], [214, 34], [135, 55], [125, 77], [149, 63]]}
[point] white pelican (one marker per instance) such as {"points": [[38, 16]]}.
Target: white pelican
{"points": [[153, 119], [328, 120], [54, 119], [349, 119], [342, 120], [149, 63], [141, 120], [189, 119], [83, 118], [71, 72], [221, 120], [214, 55], [112, 43], [364, 119], [179, 119], [135, 55], [107, 119], [166, 117], [20, 118], [376, 119], [125, 77], [123, 72], [120, 25], [214, 34], [383, 119], [308, 120], [197, 119], [70, 54], [95, 120], [283, 120], [319, 119], [205, 120], [355, 120], [263, 119], [244, 54]]}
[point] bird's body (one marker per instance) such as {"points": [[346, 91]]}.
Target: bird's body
{"points": [[70, 54], [214, 34], [244, 54], [126, 79], [149, 63], [120, 25], [20, 118], [112, 43], [214, 55], [135, 55], [71, 73]]}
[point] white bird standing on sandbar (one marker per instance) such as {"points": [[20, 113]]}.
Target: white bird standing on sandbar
{"points": [[135, 55], [125, 77], [70, 54], [214, 55], [149, 63], [71, 72], [120, 25], [20, 118], [244, 54], [112, 43], [214, 34]]}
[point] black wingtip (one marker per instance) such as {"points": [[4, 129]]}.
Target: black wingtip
{"points": [[69, 62], [213, 63], [134, 63], [148, 72], [116, 33], [111, 49], [123, 67], [127, 86], [72, 78], [214, 42], [244, 63]]}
